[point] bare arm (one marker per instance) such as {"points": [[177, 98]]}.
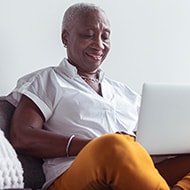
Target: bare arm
{"points": [[28, 136]]}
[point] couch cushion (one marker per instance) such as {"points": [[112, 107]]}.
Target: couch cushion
{"points": [[6, 111], [33, 173]]}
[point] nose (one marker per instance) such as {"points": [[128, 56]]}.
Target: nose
{"points": [[98, 43]]}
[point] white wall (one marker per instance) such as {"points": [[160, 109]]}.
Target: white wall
{"points": [[150, 39]]}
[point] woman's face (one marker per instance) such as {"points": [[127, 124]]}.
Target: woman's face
{"points": [[88, 41]]}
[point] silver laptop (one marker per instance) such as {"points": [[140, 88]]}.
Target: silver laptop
{"points": [[164, 119]]}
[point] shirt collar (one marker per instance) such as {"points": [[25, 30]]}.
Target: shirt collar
{"points": [[65, 68]]}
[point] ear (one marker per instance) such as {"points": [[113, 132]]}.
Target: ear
{"points": [[64, 37]]}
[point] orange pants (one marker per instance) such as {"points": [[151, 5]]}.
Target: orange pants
{"points": [[111, 162]]}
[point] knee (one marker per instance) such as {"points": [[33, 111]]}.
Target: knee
{"points": [[111, 140], [111, 145]]}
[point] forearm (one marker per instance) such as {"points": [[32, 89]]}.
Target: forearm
{"points": [[45, 144]]}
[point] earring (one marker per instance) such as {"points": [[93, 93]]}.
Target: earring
{"points": [[65, 45]]}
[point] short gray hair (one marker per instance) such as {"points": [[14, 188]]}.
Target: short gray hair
{"points": [[74, 11]]}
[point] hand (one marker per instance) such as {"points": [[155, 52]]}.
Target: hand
{"points": [[121, 133]]}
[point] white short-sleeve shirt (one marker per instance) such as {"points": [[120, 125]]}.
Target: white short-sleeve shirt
{"points": [[70, 106]]}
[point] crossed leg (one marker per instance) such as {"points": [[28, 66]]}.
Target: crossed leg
{"points": [[111, 162]]}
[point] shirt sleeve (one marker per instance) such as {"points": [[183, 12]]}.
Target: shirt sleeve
{"points": [[38, 87]]}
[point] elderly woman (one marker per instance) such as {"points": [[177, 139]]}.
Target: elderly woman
{"points": [[81, 122]]}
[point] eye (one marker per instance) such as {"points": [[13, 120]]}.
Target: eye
{"points": [[87, 34], [106, 36]]}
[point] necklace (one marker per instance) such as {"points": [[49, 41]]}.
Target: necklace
{"points": [[90, 79]]}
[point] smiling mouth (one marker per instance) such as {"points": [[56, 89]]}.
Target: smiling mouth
{"points": [[96, 57]]}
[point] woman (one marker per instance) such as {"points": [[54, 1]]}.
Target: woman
{"points": [[81, 122]]}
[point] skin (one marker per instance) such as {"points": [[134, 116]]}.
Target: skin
{"points": [[88, 43], [87, 46]]}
